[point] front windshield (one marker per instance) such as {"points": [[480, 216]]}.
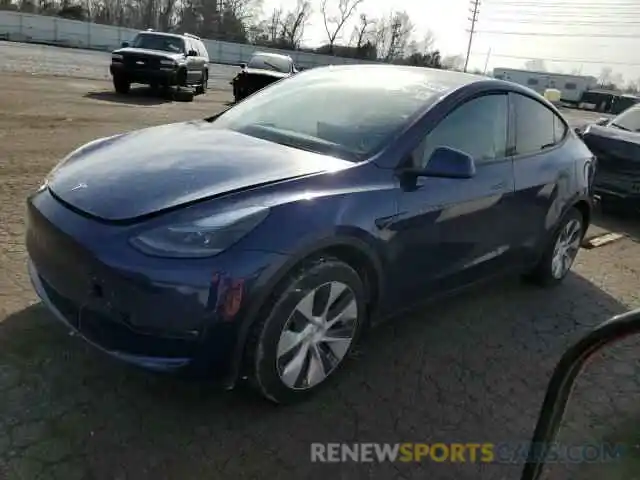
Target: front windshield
{"points": [[346, 112], [268, 62], [628, 120], [164, 43]]}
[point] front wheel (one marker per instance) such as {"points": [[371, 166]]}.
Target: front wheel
{"points": [[310, 331], [558, 258], [121, 84]]}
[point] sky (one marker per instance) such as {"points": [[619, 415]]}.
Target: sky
{"points": [[592, 33]]}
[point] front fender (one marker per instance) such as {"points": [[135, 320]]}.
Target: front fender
{"points": [[277, 273]]}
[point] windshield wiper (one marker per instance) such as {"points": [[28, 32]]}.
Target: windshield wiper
{"points": [[613, 124]]}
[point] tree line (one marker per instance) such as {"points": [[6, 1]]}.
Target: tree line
{"points": [[391, 38]]}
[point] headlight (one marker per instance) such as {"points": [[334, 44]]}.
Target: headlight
{"points": [[116, 57], [170, 63], [204, 237]]}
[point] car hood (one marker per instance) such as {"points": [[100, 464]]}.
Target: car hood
{"points": [[266, 73], [612, 134], [615, 149], [147, 171], [149, 53]]}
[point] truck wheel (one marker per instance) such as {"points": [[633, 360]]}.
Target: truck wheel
{"points": [[181, 80], [202, 88], [121, 85]]}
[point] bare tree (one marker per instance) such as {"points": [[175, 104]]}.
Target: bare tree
{"points": [[605, 76], [294, 24], [334, 23], [453, 62], [362, 31], [394, 35], [617, 80]]}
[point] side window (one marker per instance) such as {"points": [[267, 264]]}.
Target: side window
{"points": [[203, 50], [559, 129], [535, 128], [477, 127]]}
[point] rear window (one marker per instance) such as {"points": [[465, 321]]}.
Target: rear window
{"points": [[570, 86], [267, 62]]}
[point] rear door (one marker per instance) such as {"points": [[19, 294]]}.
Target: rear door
{"points": [[193, 69], [544, 171]]}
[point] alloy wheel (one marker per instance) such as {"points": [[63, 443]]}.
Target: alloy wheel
{"points": [[566, 248], [317, 336]]}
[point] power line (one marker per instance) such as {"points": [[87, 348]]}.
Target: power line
{"points": [[548, 4], [571, 15], [565, 60], [564, 8], [474, 18], [561, 22], [576, 35]]}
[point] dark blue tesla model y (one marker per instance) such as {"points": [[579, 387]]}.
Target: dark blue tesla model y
{"points": [[258, 244]]}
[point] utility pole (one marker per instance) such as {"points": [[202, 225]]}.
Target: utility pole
{"points": [[474, 18], [486, 62]]}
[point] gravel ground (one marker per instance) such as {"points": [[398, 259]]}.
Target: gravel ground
{"points": [[76, 63], [471, 369]]}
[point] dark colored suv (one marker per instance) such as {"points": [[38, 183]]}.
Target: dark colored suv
{"points": [[161, 60]]}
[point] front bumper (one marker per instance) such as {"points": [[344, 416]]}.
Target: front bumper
{"points": [[163, 75], [620, 187], [186, 317], [57, 303]]}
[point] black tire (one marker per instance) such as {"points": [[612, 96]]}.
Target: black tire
{"points": [[202, 88], [121, 85], [261, 353], [543, 274], [181, 79]]}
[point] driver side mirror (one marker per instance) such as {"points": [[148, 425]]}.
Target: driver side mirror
{"points": [[243, 66], [446, 162], [192, 53], [125, 44]]}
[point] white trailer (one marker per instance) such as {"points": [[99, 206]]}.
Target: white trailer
{"points": [[571, 86]]}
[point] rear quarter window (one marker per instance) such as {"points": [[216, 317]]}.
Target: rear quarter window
{"points": [[535, 128], [559, 129]]}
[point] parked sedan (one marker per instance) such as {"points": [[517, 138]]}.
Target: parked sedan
{"points": [[616, 144], [264, 240], [263, 69]]}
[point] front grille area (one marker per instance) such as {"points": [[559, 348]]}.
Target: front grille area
{"points": [[141, 62], [114, 335]]}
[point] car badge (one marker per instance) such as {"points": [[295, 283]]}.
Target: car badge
{"points": [[79, 187]]}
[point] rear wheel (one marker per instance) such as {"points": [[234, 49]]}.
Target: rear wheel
{"points": [[121, 84], [558, 258], [304, 339], [202, 88]]}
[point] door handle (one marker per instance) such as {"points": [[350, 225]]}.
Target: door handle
{"points": [[499, 186]]}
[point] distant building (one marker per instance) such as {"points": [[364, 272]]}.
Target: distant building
{"points": [[571, 87]]}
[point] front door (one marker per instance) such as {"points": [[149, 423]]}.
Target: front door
{"points": [[452, 232]]}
